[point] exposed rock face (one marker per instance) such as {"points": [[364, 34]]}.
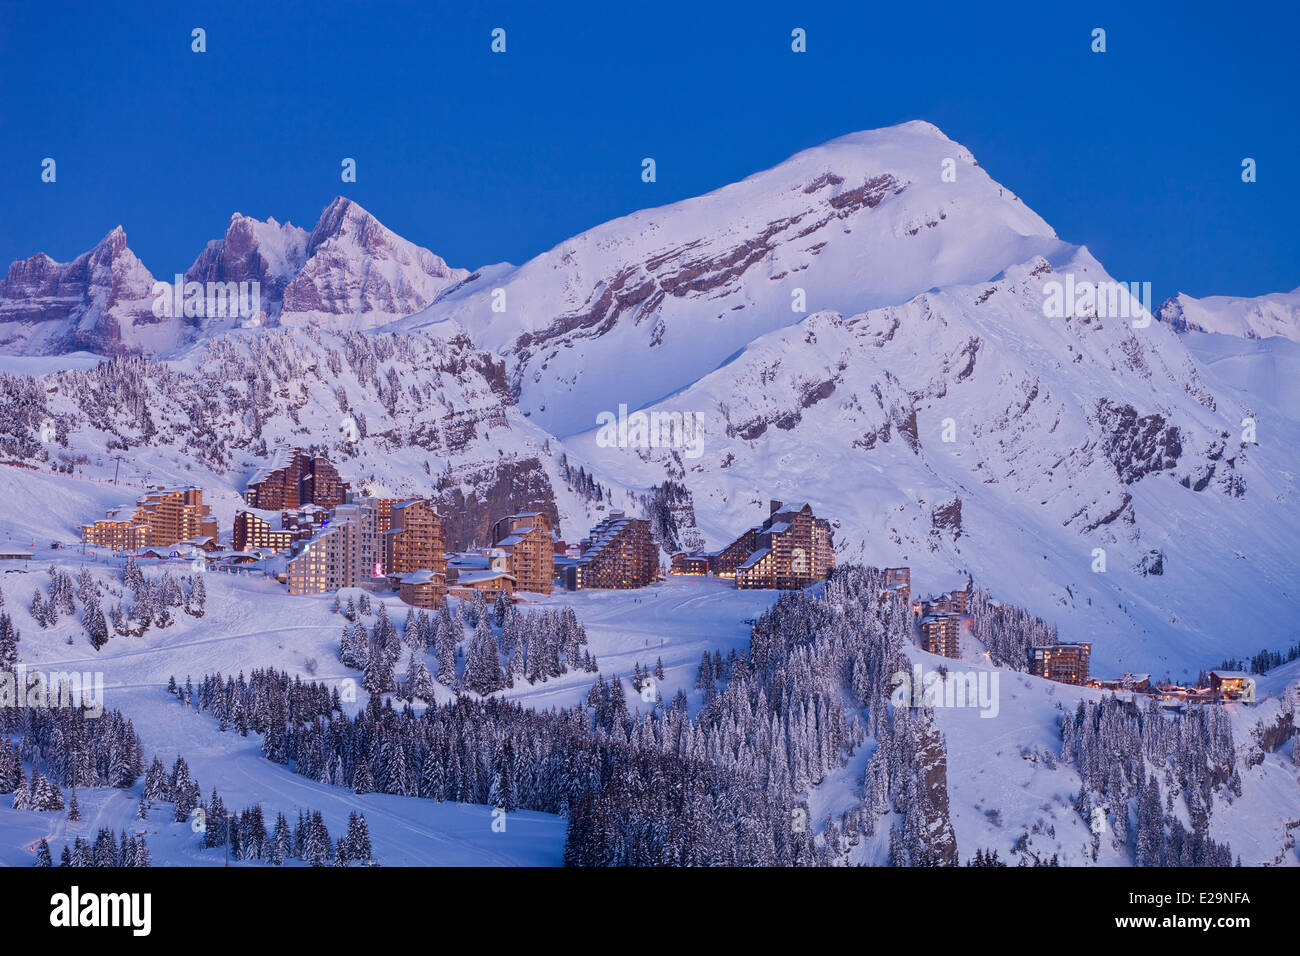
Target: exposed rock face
{"points": [[1137, 445], [440, 420], [1171, 313], [508, 487], [946, 518], [359, 274], [1273, 737], [1218, 464], [688, 270], [101, 301], [1153, 562], [932, 779]]}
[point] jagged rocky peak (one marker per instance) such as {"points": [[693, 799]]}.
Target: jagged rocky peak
{"points": [[100, 301], [254, 250], [360, 274], [350, 272]]}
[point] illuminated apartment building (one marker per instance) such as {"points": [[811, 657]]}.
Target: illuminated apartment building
{"points": [[116, 535], [620, 553], [900, 580], [327, 562], [159, 518], [369, 518], [530, 549], [423, 589], [954, 602], [371, 538], [1233, 685], [490, 582], [941, 634], [790, 550], [253, 531], [413, 541], [724, 562], [303, 523], [1066, 663], [689, 562], [413, 546]]}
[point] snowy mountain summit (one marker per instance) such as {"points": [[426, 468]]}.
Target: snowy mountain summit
{"points": [[869, 219], [358, 274], [98, 302]]}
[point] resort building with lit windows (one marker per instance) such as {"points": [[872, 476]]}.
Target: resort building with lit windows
{"points": [[159, 518], [791, 549], [529, 543], [619, 553]]}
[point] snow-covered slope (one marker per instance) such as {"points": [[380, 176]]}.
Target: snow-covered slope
{"points": [[1252, 318], [644, 305], [249, 623], [432, 417]]}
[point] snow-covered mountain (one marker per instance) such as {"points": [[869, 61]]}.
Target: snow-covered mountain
{"points": [[641, 306], [1259, 317], [350, 272], [964, 430], [99, 302]]}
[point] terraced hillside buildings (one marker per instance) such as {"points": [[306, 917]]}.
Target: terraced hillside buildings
{"points": [[791, 549], [529, 543], [620, 553], [158, 519], [295, 478]]}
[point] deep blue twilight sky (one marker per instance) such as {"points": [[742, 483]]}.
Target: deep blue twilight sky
{"points": [[480, 157]]}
